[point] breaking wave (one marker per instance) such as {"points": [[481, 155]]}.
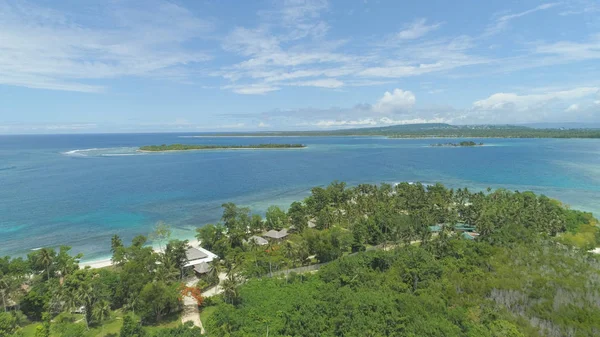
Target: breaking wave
{"points": [[104, 152]]}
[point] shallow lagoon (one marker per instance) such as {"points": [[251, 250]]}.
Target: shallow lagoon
{"points": [[81, 189]]}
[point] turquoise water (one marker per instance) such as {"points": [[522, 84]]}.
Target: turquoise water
{"points": [[79, 190]]}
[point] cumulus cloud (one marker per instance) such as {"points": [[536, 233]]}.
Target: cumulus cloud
{"points": [[263, 125], [513, 101], [375, 122], [394, 101], [541, 106]]}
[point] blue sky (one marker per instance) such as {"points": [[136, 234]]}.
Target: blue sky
{"points": [[154, 65]]}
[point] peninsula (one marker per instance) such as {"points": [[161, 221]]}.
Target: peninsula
{"points": [[461, 144], [187, 147]]}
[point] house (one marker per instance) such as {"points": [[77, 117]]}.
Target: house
{"points": [[195, 256], [258, 240], [276, 235], [464, 230], [202, 268], [199, 260]]}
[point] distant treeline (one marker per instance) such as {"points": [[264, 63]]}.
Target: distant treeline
{"points": [[464, 143], [500, 133], [184, 147], [432, 130]]}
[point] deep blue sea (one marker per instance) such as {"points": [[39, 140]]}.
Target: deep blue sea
{"points": [[79, 190]]}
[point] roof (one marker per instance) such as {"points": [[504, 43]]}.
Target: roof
{"points": [[469, 235], [464, 227], [273, 234], [312, 223], [259, 241], [195, 254], [436, 228], [202, 268]]}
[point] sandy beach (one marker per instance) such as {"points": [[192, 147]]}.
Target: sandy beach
{"points": [[106, 262]]}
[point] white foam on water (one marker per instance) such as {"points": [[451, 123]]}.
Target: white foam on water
{"points": [[104, 152]]}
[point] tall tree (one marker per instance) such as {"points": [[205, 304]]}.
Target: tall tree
{"points": [[176, 252], [160, 234], [297, 215], [46, 259]]}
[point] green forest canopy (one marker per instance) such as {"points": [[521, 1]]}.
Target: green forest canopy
{"points": [[383, 271], [184, 147]]}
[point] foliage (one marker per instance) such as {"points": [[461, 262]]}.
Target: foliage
{"points": [[185, 330], [156, 300], [185, 147], [8, 324], [132, 327], [394, 261], [474, 290], [463, 144]]}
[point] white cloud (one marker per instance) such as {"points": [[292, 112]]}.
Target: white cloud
{"points": [[394, 101], [285, 47], [417, 29], [330, 123], [44, 48], [263, 125], [512, 101], [572, 51], [330, 83], [375, 122], [251, 89], [572, 107], [501, 23], [47, 128]]}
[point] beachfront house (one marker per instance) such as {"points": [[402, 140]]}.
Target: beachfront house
{"points": [[198, 260], [276, 235]]}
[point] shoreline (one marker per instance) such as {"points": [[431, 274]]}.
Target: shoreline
{"points": [[107, 262]]}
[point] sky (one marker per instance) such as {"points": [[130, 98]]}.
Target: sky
{"points": [[73, 66]]}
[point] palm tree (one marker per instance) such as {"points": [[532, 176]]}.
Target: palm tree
{"points": [[167, 270], [8, 285], [230, 288], [46, 258], [215, 270], [254, 248], [270, 247], [101, 311], [288, 251]]}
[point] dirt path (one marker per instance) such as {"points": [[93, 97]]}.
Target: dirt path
{"points": [[191, 313]]}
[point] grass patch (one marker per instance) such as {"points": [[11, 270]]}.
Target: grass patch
{"points": [[171, 321], [206, 313]]}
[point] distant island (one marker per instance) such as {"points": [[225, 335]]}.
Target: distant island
{"points": [[433, 130], [187, 147], [465, 143]]}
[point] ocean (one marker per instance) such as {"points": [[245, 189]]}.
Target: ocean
{"points": [[79, 190]]}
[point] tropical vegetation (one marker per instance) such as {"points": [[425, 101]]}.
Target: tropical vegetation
{"points": [[185, 147], [388, 260]]}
